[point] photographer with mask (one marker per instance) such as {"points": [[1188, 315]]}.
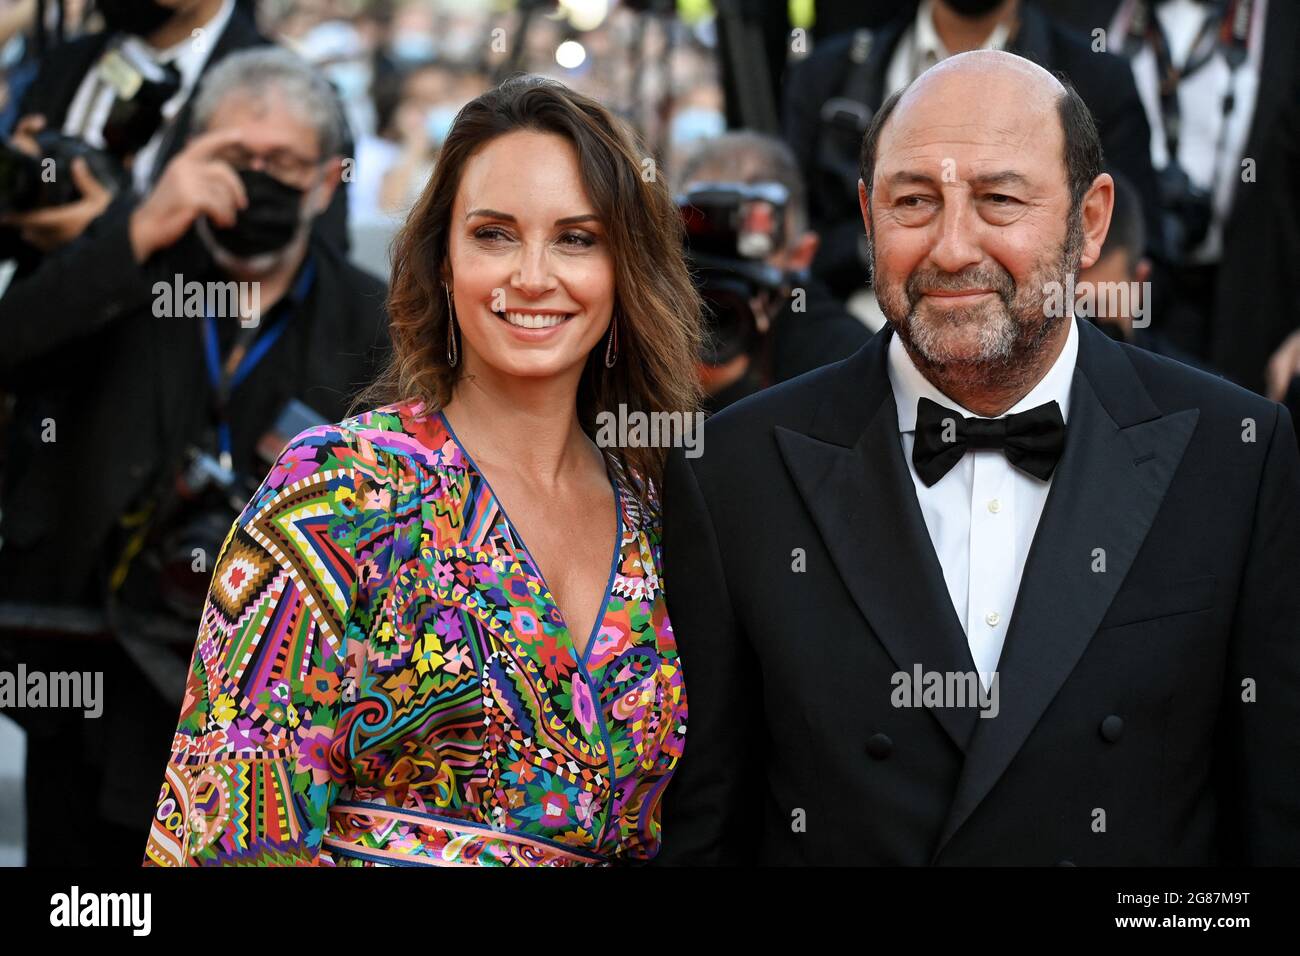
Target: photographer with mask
{"points": [[194, 334], [121, 101]]}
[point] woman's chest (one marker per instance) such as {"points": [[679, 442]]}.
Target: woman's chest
{"points": [[470, 694]]}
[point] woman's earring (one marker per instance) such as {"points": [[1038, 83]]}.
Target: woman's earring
{"points": [[611, 344], [452, 355]]}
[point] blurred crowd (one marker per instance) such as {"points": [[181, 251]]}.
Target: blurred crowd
{"points": [[240, 167]]}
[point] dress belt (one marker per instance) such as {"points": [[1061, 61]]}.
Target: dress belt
{"points": [[380, 834]]}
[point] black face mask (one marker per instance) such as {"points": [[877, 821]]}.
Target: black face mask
{"points": [[269, 222], [140, 17], [973, 8]]}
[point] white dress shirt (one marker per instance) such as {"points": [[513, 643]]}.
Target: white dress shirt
{"points": [[1200, 100], [920, 48], [983, 513], [94, 98]]}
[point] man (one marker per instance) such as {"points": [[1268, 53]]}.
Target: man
{"points": [[831, 96], [996, 589], [800, 325], [74, 93], [1221, 86], [126, 387]]}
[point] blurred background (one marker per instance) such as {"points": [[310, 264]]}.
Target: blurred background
{"points": [[753, 109]]}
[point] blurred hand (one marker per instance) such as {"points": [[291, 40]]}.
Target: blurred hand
{"points": [[1283, 366], [24, 137], [48, 229], [195, 183], [55, 226]]}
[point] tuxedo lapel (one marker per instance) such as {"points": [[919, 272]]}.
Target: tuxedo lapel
{"points": [[850, 471], [1120, 455]]}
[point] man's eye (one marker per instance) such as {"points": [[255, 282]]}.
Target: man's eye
{"points": [[999, 199], [912, 202]]}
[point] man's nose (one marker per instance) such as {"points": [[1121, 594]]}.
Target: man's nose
{"points": [[957, 245]]}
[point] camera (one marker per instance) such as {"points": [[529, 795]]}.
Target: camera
{"points": [[731, 229], [35, 182], [171, 566], [210, 496], [1186, 210]]}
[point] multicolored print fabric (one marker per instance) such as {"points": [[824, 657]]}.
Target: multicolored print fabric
{"points": [[382, 676]]}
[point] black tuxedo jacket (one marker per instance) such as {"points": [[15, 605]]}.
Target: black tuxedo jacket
{"points": [[800, 578]]}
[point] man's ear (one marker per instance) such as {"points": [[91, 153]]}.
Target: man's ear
{"points": [[1098, 203], [865, 205], [329, 182]]}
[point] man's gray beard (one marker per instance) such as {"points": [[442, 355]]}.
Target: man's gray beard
{"points": [[1010, 337]]}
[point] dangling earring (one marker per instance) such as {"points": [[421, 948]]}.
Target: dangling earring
{"points": [[611, 344], [452, 355]]}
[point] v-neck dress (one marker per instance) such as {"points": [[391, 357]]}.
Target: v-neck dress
{"points": [[382, 677]]}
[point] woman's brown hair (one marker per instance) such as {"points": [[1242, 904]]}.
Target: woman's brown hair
{"points": [[656, 304]]}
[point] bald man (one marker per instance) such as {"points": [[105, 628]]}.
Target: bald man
{"points": [[996, 589]]}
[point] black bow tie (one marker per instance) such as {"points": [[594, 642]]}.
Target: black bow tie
{"points": [[1032, 440]]}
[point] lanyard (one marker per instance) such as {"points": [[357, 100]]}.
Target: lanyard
{"points": [[1226, 27], [224, 382]]}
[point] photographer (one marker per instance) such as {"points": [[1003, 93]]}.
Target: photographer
{"points": [[1221, 85], [123, 94], [220, 324], [771, 320]]}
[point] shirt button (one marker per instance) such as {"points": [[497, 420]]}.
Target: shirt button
{"points": [[992, 618], [994, 505]]}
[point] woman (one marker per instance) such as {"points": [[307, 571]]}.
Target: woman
{"points": [[421, 645]]}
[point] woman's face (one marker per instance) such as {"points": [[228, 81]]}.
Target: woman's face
{"points": [[532, 273]]}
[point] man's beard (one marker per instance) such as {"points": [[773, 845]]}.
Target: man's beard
{"points": [[1011, 331]]}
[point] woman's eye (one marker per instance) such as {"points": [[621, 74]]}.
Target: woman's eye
{"points": [[578, 239], [489, 233]]}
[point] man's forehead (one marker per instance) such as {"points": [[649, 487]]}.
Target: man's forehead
{"points": [[974, 140]]}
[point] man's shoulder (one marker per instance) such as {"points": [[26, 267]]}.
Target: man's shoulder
{"points": [[1093, 71], [353, 282], [793, 405], [1175, 386]]}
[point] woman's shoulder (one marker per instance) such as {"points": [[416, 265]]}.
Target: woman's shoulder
{"points": [[385, 446], [408, 430]]}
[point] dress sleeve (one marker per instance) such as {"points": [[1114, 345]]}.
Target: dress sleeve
{"points": [[254, 764]]}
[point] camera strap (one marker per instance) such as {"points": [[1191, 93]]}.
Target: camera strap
{"points": [[226, 376], [1226, 29]]}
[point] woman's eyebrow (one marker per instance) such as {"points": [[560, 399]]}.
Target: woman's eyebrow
{"points": [[494, 214]]}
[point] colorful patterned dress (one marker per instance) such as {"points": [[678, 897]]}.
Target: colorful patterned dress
{"points": [[382, 676]]}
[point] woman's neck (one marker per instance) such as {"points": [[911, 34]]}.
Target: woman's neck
{"points": [[529, 426]]}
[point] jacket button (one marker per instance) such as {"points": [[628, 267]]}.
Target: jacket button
{"points": [[879, 746], [1111, 728]]}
